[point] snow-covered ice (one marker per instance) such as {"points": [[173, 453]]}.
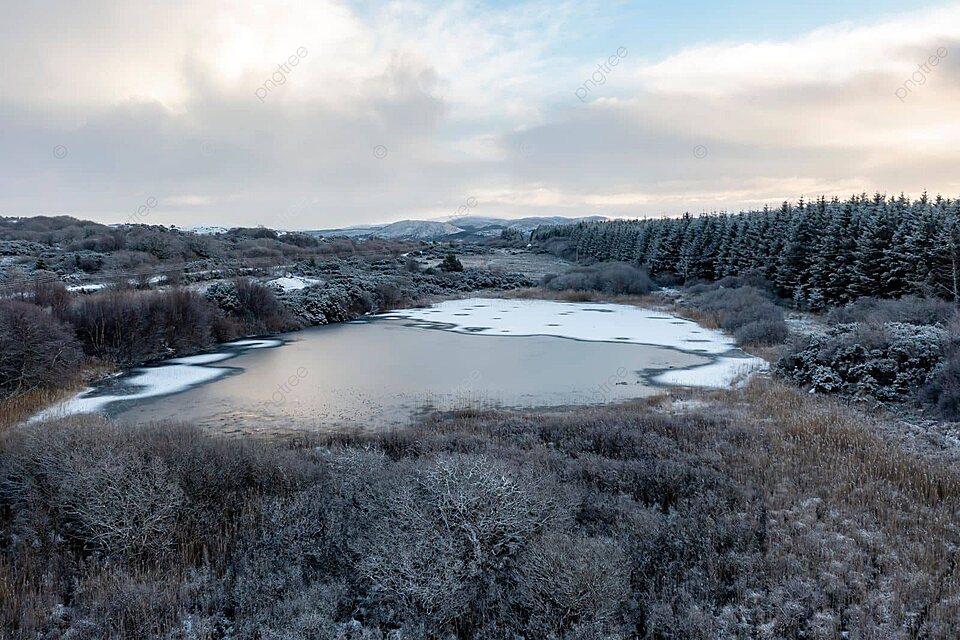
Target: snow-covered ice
{"points": [[253, 343], [168, 377], [723, 371], [203, 358], [597, 322], [148, 382], [590, 321]]}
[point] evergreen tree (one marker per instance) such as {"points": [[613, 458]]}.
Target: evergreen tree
{"points": [[824, 252]]}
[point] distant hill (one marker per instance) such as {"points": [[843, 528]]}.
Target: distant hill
{"points": [[466, 228]]}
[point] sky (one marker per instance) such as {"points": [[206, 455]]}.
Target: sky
{"points": [[178, 112]]}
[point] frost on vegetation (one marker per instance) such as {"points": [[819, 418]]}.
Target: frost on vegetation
{"points": [[356, 291], [889, 362]]}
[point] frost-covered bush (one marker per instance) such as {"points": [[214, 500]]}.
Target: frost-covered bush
{"points": [[21, 248], [747, 312], [252, 305], [448, 530], [941, 394], [373, 287], [766, 331], [606, 523], [336, 301], [889, 362], [909, 309], [609, 277]]}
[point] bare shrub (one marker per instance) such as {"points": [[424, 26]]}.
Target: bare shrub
{"points": [[746, 311], [51, 295], [615, 278], [133, 327], [569, 581], [448, 534], [941, 393], [115, 499], [36, 350]]}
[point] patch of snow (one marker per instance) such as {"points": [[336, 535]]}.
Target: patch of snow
{"points": [[254, 343], [293, 283], [723, 371], [86, 288], [681, 405], [205, 230], [148, 382]]}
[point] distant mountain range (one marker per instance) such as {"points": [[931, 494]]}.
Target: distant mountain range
{"points": [[464, 228]]}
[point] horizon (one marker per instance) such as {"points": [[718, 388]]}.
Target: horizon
{"points": [[337, 114]]}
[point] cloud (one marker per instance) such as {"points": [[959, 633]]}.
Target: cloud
{"points": [[158, 100]]}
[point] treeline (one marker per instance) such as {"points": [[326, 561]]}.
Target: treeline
{"points": [[826, 252]]}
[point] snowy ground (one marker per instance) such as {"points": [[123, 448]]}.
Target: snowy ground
{"points": [[293, 283], [597, 322], [86, 288]]}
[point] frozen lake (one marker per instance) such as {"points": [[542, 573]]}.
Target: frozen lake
{"points": [[384, 371]]}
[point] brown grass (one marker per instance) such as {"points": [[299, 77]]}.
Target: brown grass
{"points": [[15, 410], [840, 491], [538, 293]]}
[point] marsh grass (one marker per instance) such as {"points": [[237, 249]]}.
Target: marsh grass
{"points": [[21, 407], [539, 293]]}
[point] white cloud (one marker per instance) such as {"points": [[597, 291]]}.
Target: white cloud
{"points": [[158, 98]]}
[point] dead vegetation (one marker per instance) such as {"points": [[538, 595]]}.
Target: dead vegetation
{"points": [[757, 513]]}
